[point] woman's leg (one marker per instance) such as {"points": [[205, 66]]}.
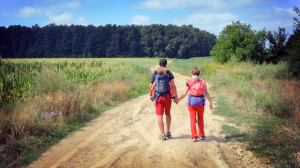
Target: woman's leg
{"points": [[200, 112], [192, 111]]}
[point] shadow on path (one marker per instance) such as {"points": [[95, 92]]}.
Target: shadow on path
{"points": [[208, 138]]}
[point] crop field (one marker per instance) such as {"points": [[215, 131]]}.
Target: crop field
{"points": [[43, 100]]}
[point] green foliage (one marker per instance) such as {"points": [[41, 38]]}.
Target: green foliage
{"points": [[293, 47], [277, 47], [52, 41], [238, 39], [17, 80]]}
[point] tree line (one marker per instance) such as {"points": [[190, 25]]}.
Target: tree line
{"points": [[57, 41]]}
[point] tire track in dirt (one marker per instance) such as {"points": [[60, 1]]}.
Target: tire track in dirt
{"points": [[127, 136]]}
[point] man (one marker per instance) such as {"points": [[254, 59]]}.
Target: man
{"points": [[163, 100]]}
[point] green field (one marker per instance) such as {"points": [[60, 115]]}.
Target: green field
{"points": [[185, 66]]}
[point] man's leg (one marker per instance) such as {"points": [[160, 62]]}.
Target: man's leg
{"points": [[160, 114], [168, 121], [161, 124], [167, 105]]}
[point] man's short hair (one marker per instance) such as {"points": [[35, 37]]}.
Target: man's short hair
{"points": [[163, 62], [196, 71]]}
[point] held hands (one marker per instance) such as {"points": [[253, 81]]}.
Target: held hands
{"points": [[176, 100]]}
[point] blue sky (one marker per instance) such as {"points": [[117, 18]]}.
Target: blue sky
{"points": [[209, 15]]}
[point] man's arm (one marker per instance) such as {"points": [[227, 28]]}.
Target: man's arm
{"points": [[150, 86], [174, 88]]}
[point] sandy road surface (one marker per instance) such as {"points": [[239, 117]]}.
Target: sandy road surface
{"points": [[127, 136]]}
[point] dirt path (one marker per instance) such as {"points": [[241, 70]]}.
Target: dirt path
{"points": [[127, 136]]}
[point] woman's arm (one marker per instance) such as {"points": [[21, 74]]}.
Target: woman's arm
{"points": [[209, 99], [183, 94]]}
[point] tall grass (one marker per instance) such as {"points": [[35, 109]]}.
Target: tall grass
{"points": [[56, 98], [262, 101]]}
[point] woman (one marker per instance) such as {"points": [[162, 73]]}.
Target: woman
{"points": [[196, 103]]}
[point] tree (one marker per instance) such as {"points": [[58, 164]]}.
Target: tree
{"points": [[277, 48], [293, 47], [105, 41], [238, 39]]}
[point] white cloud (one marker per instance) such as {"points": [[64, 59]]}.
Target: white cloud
{"points": [[49, 10], [73, 5], [81, 19], [193, 4], [211, 22], [271, 18], [30, 12], [288, 11], [62, 18], [58, 13], [140, 20]]}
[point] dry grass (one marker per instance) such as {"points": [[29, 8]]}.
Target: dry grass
{"points": [[48, 98], [291, 90], [42, 115], [105, 93]]}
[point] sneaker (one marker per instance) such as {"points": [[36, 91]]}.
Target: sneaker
{"points": [[163, 137], [203, 138], [168, 134], [194, 139]]}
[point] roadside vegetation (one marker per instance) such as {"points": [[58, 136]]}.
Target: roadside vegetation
{"points": [[257, 89], [44, 100], [260, 103], [258, 76]]}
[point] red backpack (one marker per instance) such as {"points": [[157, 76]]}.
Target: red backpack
{"points": [[197, 88]]}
